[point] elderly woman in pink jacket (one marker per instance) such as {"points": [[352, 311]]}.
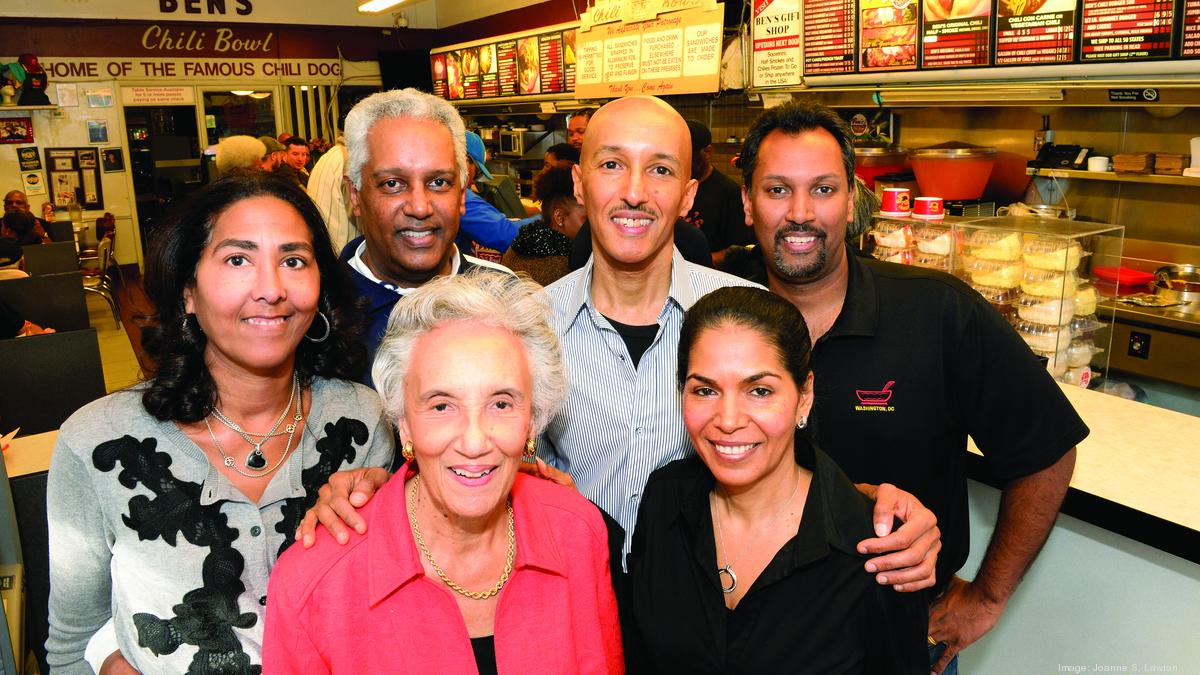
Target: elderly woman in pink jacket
{"points": [[467, 563]]}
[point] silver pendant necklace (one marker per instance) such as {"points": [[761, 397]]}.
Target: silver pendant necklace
{"points": [[256, 460], [726, 572]]}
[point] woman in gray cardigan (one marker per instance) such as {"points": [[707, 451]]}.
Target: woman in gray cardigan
{"points": [[169, 502]]}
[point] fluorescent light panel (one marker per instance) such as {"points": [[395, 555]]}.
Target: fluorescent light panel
{"points": [[373, 6], [974, 96]]}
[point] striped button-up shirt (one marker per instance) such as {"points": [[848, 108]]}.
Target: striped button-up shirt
{"points": [[621, 422]]}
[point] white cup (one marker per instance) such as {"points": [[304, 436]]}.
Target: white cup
{"points": [[1098, 163]]}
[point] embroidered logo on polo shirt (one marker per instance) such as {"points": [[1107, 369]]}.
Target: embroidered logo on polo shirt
{"points": [[875, 400]]}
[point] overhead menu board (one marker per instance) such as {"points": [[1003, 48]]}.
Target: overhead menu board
{"points": [[887, 37], [1035, 31], [530, 64], [829, 36], [665, 47], [1125, 30], [956, 33]]}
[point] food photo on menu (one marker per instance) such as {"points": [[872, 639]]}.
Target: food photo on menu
{"points": [[568, 38], [470, 62], [439, 66], [528, 68], [889, 35], [487, 59], [941, 10], [454, 76], [1024, 7]]}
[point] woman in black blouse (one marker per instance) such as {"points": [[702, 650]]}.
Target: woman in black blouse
{"points": [[744, 557]]}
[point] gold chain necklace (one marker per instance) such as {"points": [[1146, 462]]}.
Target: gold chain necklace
{"points": [[474, 595]]}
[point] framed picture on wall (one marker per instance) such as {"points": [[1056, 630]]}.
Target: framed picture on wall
{"points": [[113, 160], [74, 177], [97, 131], [87, 158], [29, 159], [16, 130]]}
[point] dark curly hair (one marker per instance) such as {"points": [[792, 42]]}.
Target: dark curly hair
{"points": [[553, 187], [181, 387]]}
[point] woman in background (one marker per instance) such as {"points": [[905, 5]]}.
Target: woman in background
{"points": [[541, 248]]}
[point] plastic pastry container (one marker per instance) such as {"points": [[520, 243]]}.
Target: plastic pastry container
{"points": [[1085, 299], [931, 261], [1048, 283], [1056, 362], [1081, 351], [1052, 253], [934, 240], [995, 245], [1043, 338], [902, 256], [1085, 325], [998, 273], [1046, 311], [892, 234], [1000, 298]]}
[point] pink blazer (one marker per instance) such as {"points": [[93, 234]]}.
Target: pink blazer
{"points": [[367, 606]]}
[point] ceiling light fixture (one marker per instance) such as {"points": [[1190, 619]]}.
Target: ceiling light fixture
{"points": [[374, 6], [984, 95], [241, 92]]}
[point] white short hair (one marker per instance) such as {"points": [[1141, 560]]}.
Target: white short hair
{"points": [[239, 152], [400, 103], [490, 298]]}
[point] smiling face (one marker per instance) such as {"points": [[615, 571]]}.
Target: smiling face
{"points": [[741, 405], [634, 180], [468, 411], [799, 203], [410, 200], [256, 288]]}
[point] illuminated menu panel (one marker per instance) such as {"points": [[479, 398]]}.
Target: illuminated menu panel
{"points": [[437, 64], [1126, 29], [489, 82], [829, 36], [956, 33], [568, 47], [1190, 47], [887, 35], [1035, 31], [551, 62], [506, 66]]}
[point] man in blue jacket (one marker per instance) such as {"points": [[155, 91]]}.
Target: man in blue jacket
{"points": [[407, 171], [484, 231]]}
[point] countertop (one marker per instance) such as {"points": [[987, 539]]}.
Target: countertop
{"points": [[1165, 317], [1136, 472]]}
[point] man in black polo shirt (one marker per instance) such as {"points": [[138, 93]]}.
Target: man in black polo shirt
{"points": [[908, 363], [717, 209]]}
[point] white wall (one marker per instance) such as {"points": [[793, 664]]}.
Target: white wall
{"points": [[1093, 599], [67, 128]]}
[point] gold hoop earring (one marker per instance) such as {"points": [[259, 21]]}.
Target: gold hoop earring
{"points": [[406, 450], [530, 447]]}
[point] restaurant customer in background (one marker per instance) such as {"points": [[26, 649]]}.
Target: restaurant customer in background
{"points": [[717, 209], [744, 555], [561, 156], [296, 156], [328, 188], [243, 153], [484, 231], [23, 228], [16, 201], [275, 152], [541, 249], [12, 260], [467, 558], [407, 168], [943, 361], [169, 502]]}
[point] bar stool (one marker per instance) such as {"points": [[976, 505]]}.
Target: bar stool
{"points": [[97, 280]]}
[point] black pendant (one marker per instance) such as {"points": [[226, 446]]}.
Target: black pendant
{"points": [[255, 460]]}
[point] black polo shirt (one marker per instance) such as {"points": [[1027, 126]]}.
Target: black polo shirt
{"points": [[917, 361], [812, 610]]}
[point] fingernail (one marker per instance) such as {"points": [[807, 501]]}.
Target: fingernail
{"points": [[880, 530], [883, 580], [872, 568]]}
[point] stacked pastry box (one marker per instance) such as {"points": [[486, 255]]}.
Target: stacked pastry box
{"points": [[1034, 271]]}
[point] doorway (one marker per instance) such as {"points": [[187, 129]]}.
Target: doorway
{"points": [[164, 159]]}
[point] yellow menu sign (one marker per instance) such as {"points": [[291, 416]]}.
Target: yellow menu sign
{"points": [[649, 47]]}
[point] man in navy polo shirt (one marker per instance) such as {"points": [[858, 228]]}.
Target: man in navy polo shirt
{"points": [[908, 363]]}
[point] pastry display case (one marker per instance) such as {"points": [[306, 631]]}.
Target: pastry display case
{"points": [[1034, 271]]}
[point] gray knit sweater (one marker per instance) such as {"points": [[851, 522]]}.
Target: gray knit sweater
{"points": [[150, 542]]}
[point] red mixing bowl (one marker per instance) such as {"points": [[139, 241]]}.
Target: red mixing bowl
{"points": [[953, 170]]}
